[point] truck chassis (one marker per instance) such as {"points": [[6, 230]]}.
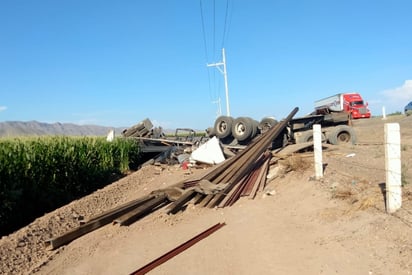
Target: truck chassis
{"points": [[336, 129]]}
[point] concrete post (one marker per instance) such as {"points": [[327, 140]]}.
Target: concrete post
{"points": [[317, 148], [383, 113], [110, 136], [393, 167]]}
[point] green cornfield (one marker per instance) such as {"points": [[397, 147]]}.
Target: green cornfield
{"points": [[39, 174]]}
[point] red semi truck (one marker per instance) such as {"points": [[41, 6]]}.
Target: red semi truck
{"points": [[350, 103]]}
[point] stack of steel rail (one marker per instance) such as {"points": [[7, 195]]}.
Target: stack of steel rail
{"points": [[240, 175]]}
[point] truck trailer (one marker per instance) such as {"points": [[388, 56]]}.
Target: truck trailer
{"points": [[350, 103]]}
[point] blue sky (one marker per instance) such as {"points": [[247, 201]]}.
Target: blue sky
{"points": [[115, 63]]}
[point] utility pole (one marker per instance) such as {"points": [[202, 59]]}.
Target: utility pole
{"points": [[219, 66]]}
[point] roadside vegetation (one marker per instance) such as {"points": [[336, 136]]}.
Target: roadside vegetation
{"points": [[39, 174], [397, 113], [394, 114]]}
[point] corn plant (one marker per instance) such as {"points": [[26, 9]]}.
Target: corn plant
{"points": [[40, 174]]}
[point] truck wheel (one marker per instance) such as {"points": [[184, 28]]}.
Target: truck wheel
{"points": [[242, 128], [255, 127], [342, 134], [223, 126], [266, 123], [307, 136], [210, 131]]}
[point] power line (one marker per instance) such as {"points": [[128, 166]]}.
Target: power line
{"points": [[211, 10], [214, 28], [205, 48], [203, 30], [225, 24], [214, 9]]}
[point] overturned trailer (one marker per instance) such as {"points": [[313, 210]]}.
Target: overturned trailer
{"points": [[157, 146], [336, 129]]}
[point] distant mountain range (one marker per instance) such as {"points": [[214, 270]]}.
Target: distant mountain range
{"points": [[35, 128]]}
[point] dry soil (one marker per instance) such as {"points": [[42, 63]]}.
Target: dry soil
{"points": [[298, 225]]}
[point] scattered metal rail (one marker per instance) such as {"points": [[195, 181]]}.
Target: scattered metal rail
{"points": [[164, 258], [241, 175], [143, 204], [142, 210]]}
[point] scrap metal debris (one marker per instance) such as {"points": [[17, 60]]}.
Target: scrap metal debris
{"points": [[159, 147], [209, 152], [244, 174], [237, 172]]}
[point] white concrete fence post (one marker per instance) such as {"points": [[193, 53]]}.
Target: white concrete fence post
{"points": [[317, 148], [383, 113], [110, 136], [393, 167]]}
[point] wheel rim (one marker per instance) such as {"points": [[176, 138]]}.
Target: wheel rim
{"points": [[222, 127], [344, 137], [240, 129]]}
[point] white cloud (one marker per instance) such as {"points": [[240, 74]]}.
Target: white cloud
{"points": [[3, 108], [400, 94], [396, 98]]}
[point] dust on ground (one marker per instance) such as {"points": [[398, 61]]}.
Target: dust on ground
{"points": [[298, 225]]}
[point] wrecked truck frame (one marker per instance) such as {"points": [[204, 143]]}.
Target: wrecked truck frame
{"points": [[156, 146]]}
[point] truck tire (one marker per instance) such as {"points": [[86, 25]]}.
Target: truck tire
{"points": [[255, 128], [210, 131], [223, 126], [243, 128], [266, 123], [341, 134], [307, 136]]}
